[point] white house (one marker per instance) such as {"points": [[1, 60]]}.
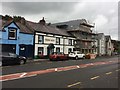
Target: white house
{"points": [[101, 44], [49, 39]]}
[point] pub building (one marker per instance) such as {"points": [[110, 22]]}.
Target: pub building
{"points": [[49, 39]]}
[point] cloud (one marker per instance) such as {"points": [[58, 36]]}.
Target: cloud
{"points": [[100, 20], [29, 8], [103, 13]]}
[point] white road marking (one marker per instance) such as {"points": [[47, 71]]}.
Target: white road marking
{"points": [[73, 84], [108, 73], [56, 69], [23, 74], [94, 77], [78, 66], [18, 78]]}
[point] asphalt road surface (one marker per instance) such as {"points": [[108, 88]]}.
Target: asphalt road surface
{"points": [[98, 73]]}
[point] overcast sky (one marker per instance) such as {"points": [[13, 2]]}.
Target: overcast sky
{"points": [[103, 13]]}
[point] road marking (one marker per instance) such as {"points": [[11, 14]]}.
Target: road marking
{"points": [[94, 77], [108, 73], [117, 70], [23, 74], [73, 84], [66, 68], [18, 78], [56, 69], [78, 66]]}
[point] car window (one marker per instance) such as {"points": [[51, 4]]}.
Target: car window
{"points": [[78, 53]]}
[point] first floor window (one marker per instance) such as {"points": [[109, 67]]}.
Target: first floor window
{"points": [[58, 40], [70, 42], [40, 39], [40, 50], [12, 34]]}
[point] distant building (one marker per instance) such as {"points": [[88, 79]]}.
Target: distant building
{"points": [[116, 46], [108, 45], [80, 29], [101, 44]]}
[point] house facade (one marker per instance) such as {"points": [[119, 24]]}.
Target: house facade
{"points": [[101, 44], [14, 39], [47, 43], [49, 39], [108, 45]]}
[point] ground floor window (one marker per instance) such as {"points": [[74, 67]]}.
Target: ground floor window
{"points": [[40, 50], [69, 50], [57, 49]]}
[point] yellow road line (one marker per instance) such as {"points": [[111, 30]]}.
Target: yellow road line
{"points": [[94, 77], [73, 84], [108, 73]]}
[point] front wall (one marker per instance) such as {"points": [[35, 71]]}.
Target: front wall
{"points": [[52, 39], [26, 39], [49, 40]]}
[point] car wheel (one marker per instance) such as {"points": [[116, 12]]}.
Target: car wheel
{"points": [[76, 57], [22, 62]]}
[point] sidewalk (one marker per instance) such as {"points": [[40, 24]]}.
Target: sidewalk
{"points": [[37, 60], [45, 60]]}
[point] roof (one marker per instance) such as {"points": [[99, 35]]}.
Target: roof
{"points": [[100, 35], [107, 38], [23, 28], [47, 29], [75, 24]]}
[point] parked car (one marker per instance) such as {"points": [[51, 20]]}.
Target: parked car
{"points": [[7, 58], [58, 56], [76, 55]]}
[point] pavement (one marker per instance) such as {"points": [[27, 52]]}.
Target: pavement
{"points": [[44, 60]]}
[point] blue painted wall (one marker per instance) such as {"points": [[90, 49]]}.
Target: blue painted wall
{"points": [[22, 38]]}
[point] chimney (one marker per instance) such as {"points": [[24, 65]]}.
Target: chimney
{"points": [[42, 21], [23, 21]]}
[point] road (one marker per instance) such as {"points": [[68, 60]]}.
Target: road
{"points": [[98, 73]]}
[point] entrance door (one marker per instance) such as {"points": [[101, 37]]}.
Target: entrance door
{"points": [[50, 49]]}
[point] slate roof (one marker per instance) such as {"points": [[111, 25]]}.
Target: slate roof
{"points": [[76, 25], [47, 29], [23, 28], [29, 27], [99, 35], [107, 38]]}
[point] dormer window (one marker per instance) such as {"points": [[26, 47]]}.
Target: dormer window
{"points": [[12, 34]]}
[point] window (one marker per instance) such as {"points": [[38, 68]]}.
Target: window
{"points": [[40, 39], [40, 50], [70, 42], [69, 50], [58, 41], [12, 34], [75, 42], [57, 50]]}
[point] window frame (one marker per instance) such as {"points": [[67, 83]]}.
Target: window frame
{"points": [[42, 50], [58, 43], [15, 33], [70, 42], [42, 40]]}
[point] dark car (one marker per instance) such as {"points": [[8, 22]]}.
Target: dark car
{"points": [[7, 58], [58, 56]]}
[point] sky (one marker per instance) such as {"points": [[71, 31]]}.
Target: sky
{"points": [[102, 13]]}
